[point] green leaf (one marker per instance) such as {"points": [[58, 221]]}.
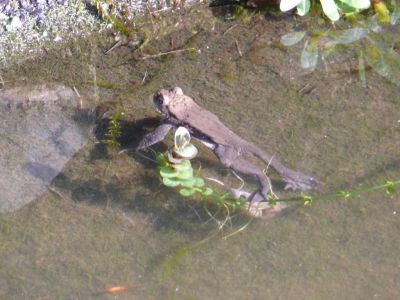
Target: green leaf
{"points": [[392, 59], [184, 165], [168, 172], [346, 9], [378, 62], [345, 194], [186, 174], [330, 9], [292, 38], [207, 191], [359, 4], [390, 189], [383, 59], [348, 36], [303, 7], [199, 182], [309, 56], [307, 200], [189, 183], [171, 182], [161, 159], [187, 192]]}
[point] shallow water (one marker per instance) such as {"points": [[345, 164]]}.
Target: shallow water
{"points": [[106, 221]]}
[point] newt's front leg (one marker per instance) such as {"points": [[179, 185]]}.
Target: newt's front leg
{"points": [[155, 136]]}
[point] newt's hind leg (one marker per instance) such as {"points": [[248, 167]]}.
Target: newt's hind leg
{"points": [[229, 157]]}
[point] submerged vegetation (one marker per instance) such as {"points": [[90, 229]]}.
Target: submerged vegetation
{"points": [[367, 29], [333, 9], [371, 48], [113, 129], [176, 171]]}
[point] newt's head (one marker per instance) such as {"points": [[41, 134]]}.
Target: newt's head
{"points": [[162, 99]]}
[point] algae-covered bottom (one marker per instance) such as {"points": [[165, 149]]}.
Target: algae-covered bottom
{"points": [[106, 228]]}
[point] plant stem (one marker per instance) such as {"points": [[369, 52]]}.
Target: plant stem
{"points": [[342, 194]]}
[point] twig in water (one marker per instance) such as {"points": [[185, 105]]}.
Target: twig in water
{"points": [[59, 194], [76, 91], [147, 56], [127, 150], [238, 48], [307, 89], [269, 163], [128, 219], [154, 12], [144, 77], [229, 29], [150, 14], [240, 179], [116, 45]]}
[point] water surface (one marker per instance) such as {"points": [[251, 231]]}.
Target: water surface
{"points": [[106, 221]]}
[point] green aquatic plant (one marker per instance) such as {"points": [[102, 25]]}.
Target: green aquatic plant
{"points": [[180, 175], [113, 129], [322, 43], [366, 37], [333, 9], [389, 186], [176, 171], [175, 168]]}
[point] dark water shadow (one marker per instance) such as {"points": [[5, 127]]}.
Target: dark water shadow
{"points": [[166, 207], [131, 132]]}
